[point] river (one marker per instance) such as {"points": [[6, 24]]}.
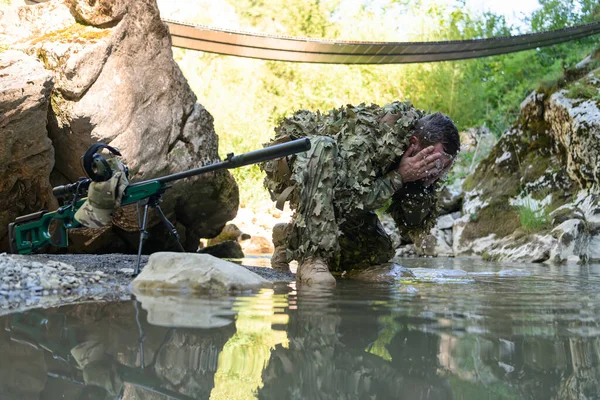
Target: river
{"points": [[461, 329]]}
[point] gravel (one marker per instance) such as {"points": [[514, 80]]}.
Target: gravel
{"points": [[49, 280]]}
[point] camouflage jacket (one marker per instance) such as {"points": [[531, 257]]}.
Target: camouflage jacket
{"points": [[368, 154]]}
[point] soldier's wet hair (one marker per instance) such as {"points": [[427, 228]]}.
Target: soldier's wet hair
{"points": [[436, 128]]}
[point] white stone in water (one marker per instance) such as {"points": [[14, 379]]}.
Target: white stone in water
{"points": [[195, 272]]}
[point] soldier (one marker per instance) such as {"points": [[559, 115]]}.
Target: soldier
{"points": [[360, 158]]}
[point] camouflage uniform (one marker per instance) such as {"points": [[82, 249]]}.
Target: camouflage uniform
{"points": [[350, 171]]}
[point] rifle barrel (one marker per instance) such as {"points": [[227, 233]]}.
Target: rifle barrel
{"points": [[269, 153]]}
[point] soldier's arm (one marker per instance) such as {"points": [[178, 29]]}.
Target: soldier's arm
{"points": [[382, 190]]}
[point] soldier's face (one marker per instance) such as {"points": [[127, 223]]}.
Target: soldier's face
{"points": [[442, 167]]}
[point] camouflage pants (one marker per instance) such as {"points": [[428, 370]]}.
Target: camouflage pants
{"points": [[358, 242]]}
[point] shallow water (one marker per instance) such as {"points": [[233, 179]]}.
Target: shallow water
{"points": [[461, 329]]}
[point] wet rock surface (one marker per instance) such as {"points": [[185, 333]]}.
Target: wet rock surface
{"points": [[202, 273]]}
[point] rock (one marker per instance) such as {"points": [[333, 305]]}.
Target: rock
{"points": [[229, 232], [445, 222], [450, 201], [575, 127], [202, 273], [448, 237], [533, 106], [26, 152], [407, 250], [594, 249], [573, 242], [549, 157], [434, 244], [116, 82], [258, 245], [52, 275], [100, 12], [442, 247], [388, 272], [227, 249], [536, 249], [565, 213]]}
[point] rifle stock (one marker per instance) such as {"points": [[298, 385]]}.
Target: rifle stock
{"points": [[33, 231]]}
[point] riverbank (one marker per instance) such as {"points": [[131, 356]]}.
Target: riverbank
{"points": [[51, 280]]}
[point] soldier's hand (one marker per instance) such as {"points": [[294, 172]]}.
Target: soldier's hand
{"points": [[424, 164]]}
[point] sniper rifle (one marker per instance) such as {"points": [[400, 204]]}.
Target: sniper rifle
{"points": [[32, 232]]}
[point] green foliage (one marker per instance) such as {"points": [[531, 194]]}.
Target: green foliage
{"points": [[583, 90], [533, 218]]}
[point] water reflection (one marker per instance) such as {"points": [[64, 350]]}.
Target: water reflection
{"points": [[503, 336]]}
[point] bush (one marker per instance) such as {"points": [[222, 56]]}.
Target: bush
{"points": [[533, 218]]}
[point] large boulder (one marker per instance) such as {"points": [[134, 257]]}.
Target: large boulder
{"points": [[536, 196], [575, 126], [116, 82], [200, 273], [26, 152]]}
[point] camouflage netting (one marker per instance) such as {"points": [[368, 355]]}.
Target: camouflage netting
{"points": [[350, 170]]}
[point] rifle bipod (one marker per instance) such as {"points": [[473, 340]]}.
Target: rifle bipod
{"points": [[153, 202]]}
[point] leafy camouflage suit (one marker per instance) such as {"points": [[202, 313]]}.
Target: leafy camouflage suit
{"points": [[349, 172]]}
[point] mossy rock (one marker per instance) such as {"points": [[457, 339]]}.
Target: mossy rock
{"points": [[565, 214], [76, 33], [497, 218]]}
